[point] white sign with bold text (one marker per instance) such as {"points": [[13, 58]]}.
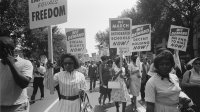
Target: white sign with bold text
{"points": [[47, 12], [141, 38], [178, 38], [120, 32], [76, 42]]}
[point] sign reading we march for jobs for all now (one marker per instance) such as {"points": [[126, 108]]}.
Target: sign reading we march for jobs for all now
{"points": [[76, 42], [178, 38], [141, 38], [47, 12], [120, 32]]}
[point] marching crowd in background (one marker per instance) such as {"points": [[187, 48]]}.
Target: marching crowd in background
{"points": [[162, 85]]}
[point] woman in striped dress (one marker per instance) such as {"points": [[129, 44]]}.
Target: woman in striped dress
{"points": [[71, 82]]}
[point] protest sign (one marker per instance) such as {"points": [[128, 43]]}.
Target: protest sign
{"points": [[104, 51], [124, 50], [120, 32], [86, 57], [47, 12], [76, 42], [141, 38], [178, 38]]}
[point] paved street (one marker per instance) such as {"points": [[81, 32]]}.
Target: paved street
{"points": [[49, 103]]}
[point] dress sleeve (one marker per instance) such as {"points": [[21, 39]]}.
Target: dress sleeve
{"points": [[82, 83], [55, 78], [150, 92]]}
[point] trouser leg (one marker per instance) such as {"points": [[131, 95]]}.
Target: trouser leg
{"points": [[41, 86], [117, 106], [123, 106], [35, 88], [94, 83], [91, 83], [142, 91]]}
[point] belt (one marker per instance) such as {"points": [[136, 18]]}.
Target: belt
{"points": [[69, 97]]}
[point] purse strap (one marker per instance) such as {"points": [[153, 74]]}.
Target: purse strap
{"points": [[84, 99]]}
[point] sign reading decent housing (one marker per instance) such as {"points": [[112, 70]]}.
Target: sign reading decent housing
{"points": [[76, 42], [120, 32], [141, 38], [178, 38], [47, 12]]}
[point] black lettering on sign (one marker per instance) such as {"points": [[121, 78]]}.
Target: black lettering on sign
{"points": [[140, 47], [179, 32], [120, 25], [34, 1], [120, 43], [76, 50], [48, 13]]}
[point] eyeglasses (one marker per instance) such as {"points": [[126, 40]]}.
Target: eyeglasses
{"points": [[68, 63]]}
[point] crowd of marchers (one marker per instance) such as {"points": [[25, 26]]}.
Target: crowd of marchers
{"points": [[162, 85]]}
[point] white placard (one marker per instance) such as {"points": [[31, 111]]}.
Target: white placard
{"points": [[76, 42], [125, 51], [47, 12], [120, 32], [178, 38], [141, 38]]}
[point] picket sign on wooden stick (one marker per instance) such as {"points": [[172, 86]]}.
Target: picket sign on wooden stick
{"points": [[50, 55]]}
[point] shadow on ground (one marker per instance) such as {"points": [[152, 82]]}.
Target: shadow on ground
{"points": [[104, 108]]}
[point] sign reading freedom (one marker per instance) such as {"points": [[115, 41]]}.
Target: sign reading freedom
{"points": [[120, 32], [47, 12]]}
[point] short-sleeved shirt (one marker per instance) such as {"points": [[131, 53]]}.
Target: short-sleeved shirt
{"points": [[11, 93], [163, 91]]}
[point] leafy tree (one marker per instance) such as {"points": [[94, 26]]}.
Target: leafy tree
{"points": [[14, 16]]}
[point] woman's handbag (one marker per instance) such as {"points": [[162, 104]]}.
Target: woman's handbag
{"points": [[113, 85], [85, 103]]}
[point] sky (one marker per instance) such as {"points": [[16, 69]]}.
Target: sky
{"points": [[93, 15]]}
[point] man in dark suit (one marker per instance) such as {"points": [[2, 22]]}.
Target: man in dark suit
{"points": [[92, 73]]}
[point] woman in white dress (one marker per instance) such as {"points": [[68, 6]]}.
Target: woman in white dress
{"points": [[71, 83], [121, 94], [135, 81], [162, 89]]}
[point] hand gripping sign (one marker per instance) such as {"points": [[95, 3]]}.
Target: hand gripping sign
{"points": [[178, 38]]}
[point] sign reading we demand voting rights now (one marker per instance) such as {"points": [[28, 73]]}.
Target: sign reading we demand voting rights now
{"points": [[76, 42], [120, 32], [47, 12], [140, 38], [178, 38]]}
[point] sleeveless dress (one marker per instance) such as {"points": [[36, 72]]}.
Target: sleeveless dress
{"points": [[120, 95], [70, 84]]}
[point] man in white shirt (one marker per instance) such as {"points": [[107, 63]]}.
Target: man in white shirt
{"points": [[39, 72], [15, 75]]}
